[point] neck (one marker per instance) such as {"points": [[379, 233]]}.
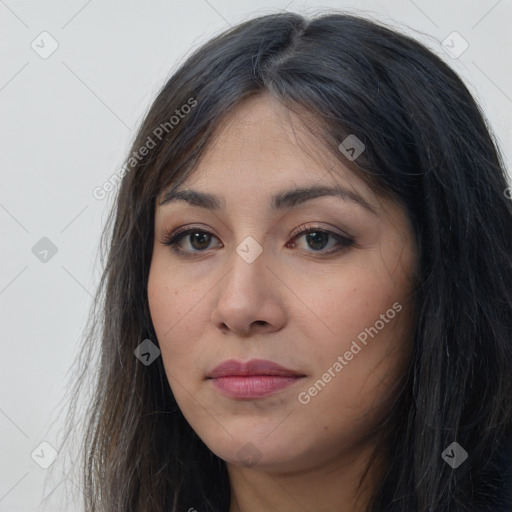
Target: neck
{"points": [[331, 486]]}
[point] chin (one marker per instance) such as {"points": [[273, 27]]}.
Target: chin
{"points": [[259, 450]]}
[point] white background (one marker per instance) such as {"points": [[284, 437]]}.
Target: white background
{"points": [[66, 124]]}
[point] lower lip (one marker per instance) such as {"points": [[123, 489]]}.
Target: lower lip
{"points": [[255, 386]]}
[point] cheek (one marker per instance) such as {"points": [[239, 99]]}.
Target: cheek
{"points": [[354, 383], [175, 309], [365, 316], [171, 296], [343, 304]]}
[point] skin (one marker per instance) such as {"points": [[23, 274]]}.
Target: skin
{"points": [[294, 305]]}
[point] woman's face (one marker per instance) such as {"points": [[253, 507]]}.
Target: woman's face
{"points": [[332, 307]]}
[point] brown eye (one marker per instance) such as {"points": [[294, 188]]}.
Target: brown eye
{"points": [[200, 240], [318, 239], [191, 240]]}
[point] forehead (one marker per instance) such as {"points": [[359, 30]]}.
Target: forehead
{"points": [[262, 146], [262, 129]]}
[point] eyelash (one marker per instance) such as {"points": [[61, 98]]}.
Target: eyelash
{"points": [[172, 238]]}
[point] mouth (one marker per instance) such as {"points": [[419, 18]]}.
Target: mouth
{"points": [[256, 378]]}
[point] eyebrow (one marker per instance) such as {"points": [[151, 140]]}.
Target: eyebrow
{"points": [[280, 201]]}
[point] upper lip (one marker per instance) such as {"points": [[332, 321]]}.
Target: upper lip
{"points": [[254, 367]]}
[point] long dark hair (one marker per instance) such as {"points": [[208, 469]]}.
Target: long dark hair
{"points": [[427, 144]]}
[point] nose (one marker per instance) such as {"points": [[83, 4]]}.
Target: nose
{"points": [[249, 298]]}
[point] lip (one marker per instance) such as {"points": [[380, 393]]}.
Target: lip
{"points": [[256, 378]]}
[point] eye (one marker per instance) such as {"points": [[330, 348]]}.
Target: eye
{"points": [[317, 239], [187, 241], [194, 240]]}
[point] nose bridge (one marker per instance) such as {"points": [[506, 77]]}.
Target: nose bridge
{"points": [[248, 267], [244, 300]]}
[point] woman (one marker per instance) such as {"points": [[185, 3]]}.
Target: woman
{"points": [[308, 293]]}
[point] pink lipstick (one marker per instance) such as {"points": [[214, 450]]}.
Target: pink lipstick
{"points": [[256, 378]]}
